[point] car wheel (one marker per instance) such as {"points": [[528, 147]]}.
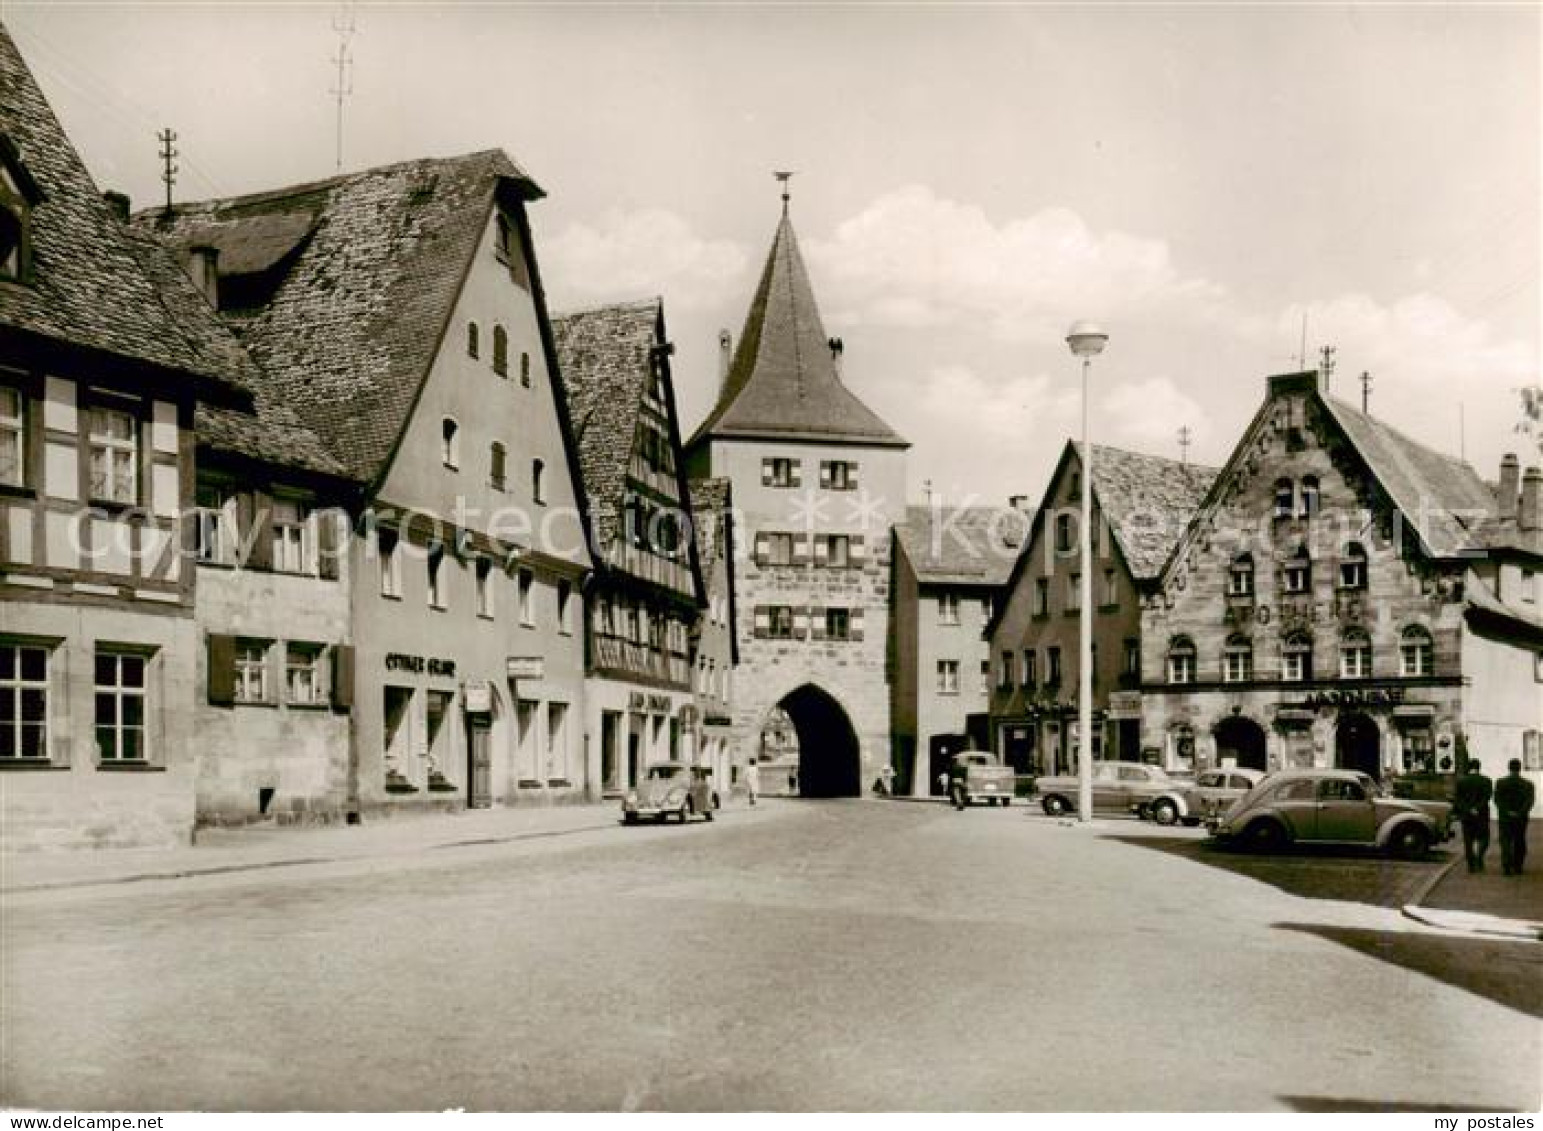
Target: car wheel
{"points": [[707, 810], [1164, 811], [1410, 841], [1265, 836], [1055, 805], [629, 818], [686, 810]]}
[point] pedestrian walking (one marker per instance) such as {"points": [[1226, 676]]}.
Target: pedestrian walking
{"points": [[1470, 801], [752, 780], [1514, 799], [886, 780]]}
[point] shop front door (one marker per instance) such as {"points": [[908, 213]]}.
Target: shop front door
{"points": [[479, 742]]}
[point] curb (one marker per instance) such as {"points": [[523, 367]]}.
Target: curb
{"points": [[1466, 922]]}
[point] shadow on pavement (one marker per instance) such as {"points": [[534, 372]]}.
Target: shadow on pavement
{"points": [[1505, 971], [1325, 1104], [1309, 871]]}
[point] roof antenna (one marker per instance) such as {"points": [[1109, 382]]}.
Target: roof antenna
{"points": [[1366, 391], [1302, 350], [1184, 435], [343, 85], [168, 155], [1326, 364], [785, 177]]}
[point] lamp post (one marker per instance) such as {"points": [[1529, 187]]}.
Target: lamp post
{"points": [[1086, 341]]}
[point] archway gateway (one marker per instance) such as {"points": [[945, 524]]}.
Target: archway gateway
{"points": [[1242, 740], [1358, 745], [829, 760]]}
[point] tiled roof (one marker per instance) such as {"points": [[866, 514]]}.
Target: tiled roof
{"points": [[603, 355], [348, 337], [963, 545], [782, 382], [709, 502], [270, 431], [87, 287], [1148, 502]]}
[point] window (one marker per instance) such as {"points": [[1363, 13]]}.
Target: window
{"points": [[114, 456], [1240, 577], [837, 550], [472, 344], [778, 549], [987, 608], [1110, 595], [252, 671], [438, 589], [1005, 677], [13, 438], [1308, 501], [120, 707], [1237, 660], [564, 599], [1074, 593], [1352, 567], [782, 472], [1298, 573], [1053, 666], [23, 702], [484, 587], [527, 589], [1181, 660], [537, 482], [1416, 654], [500, 351], [1042, 596], [390, 563], [780, 626], [449, 443], [1131, 662], [525, 369], [948, 677], [303, 683], [497, 466], [1529, 587], [1296, 659], [838, 475], [557, 740], [1063, 534], [1285, 498], [1030, 668], [948, 608], [1355, 655], [215, 538], [291, 549], [838, 624]]}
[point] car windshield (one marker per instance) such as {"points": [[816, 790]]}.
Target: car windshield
{"points": [[664, 773]]}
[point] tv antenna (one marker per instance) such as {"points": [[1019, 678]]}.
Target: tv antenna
{"points": [[168, 161], [1184, 442], [343, 84], [1326, 363], [1366, 391]]}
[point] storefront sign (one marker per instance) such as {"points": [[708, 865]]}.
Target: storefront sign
{"points": [[659, 704], [525, 667], [1125, 704], [1352, 697], [402, 662], [1298, 612], [479, 697]]}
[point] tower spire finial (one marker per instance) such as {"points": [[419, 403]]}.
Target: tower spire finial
{"points": [[784, 177]]}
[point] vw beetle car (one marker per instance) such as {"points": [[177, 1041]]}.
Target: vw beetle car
{"points": [[671, 788], [1331, 807], [1210, 794]]}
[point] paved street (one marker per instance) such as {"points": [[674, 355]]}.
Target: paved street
{"points": [[855, 955]]}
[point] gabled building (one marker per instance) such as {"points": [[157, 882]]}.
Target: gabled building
{"points": [[98, 383], [950, 564], [819, 481], [646, 592], [399, 313], [1142, 504], [715, 642], [1346, 597]]}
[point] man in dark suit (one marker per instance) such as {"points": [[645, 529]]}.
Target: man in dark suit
{"points": [[1470, 801], [1514, 799]]}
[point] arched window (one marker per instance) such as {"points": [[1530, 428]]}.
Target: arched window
{"points": [[1240, 579], [450, 443], [1181, 660], [1355, 654], [1285, 498], [500, 351], [1297, 576], [496, 462], [1308, 499], [1352, 567], [525, 369], [1238, 659], [1416, 653], [472, 344], [1296, 659], [537, 487]]}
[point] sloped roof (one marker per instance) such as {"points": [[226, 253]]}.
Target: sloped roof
{"points": [[1148, 502], [87, 286], [963, 545], [349, 336], [604, 358], [782, 382]]}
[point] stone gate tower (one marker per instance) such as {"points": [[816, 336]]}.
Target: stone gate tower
{"points": [[819, 483]]}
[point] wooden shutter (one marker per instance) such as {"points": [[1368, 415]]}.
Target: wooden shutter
{"points": [[825, 474], [801, 544], [766, 473], [259, 534], [761, 549], [855, 622], [800, 622], [762, 621], [797, 473], [327, 543], [857, 551], [343, 677], [817, 622], [221, 654]]}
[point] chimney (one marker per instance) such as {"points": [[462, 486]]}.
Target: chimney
{"points": [[1510, 473], [725, 356], [1018, 502], [119, 204], [203, 267], [1531, 518]]}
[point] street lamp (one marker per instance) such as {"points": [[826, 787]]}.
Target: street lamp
{"points": [[1087, 342]]}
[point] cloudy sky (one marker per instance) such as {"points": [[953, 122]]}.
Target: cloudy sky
{"points": [[970, 180]]}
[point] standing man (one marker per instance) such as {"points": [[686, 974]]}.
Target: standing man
{"points": [[1514, 799], [1470, 800], [752, 780]]}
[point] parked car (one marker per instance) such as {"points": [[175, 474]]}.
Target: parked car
{"points": [[1120, 786], [1331, 807], [1210, 794], [976, 776], [671, 788]]}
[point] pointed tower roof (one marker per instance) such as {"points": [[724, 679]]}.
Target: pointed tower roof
{"points": [[782, 383]]}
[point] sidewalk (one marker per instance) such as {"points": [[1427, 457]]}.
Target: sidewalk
{"points": [[1487, 902], [253, 847]]}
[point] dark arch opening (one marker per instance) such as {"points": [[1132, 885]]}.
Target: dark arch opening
{"points": [[1242, 740], [1358, 745], [828, 756]]}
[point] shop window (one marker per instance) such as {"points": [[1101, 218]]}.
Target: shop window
{"points": [[23, 703], [1237, 660], [1416, 652], [1240, 577], [120, 707], [1297, 658], [13, 438], [948, 677], [304, 684], [1352, 567], [1181, 660], [1297, 577], [114, 456], [1355, 655]]}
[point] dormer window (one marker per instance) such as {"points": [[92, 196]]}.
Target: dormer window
{"points": [[18, 195], [13, 232]]}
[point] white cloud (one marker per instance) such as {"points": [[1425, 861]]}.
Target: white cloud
{"points": [[629, 255], [1147, 415]]}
